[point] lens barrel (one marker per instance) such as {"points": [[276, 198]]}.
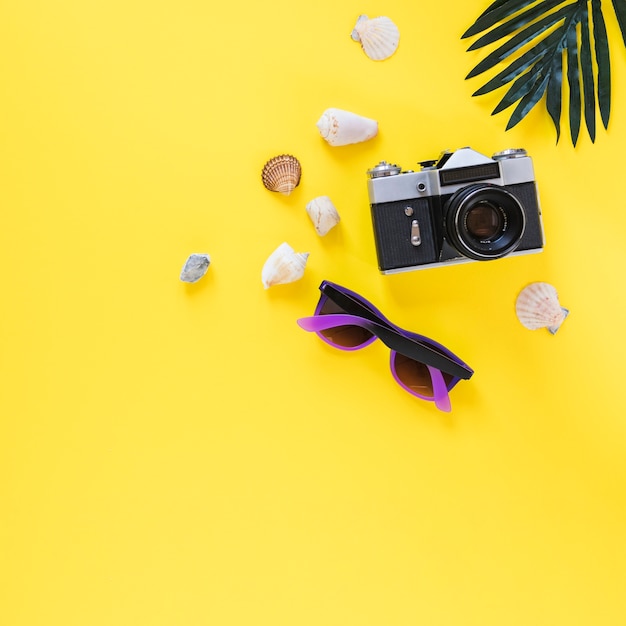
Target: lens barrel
{"points": [[484, 221]]}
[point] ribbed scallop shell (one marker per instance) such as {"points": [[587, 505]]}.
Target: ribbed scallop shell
{"points": [[379, 37], [283, 266], [340, 128], [282, 174], [323, 214], [537, 306]]}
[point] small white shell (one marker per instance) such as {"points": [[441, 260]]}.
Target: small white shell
{"points": [[283, 266], [340, 128], [537, 306], [379, 37], [323, 214], [282, 174]]}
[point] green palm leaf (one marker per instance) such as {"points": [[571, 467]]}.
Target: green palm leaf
{"points": [[603, 62], [574, 85], [529, 100], [554, 91], [620, 12], [514, 23], [496, 12], [520, 39], [534, 39], [588, 83], [518, 66]]}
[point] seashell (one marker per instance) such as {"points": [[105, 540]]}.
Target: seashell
{"points": [[537, 306], [282, 174], [379, 37], [283, 266], [323, 214], [340, 128], [195, 268]]}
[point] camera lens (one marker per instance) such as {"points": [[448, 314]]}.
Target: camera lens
{"points": [[484, 221]]}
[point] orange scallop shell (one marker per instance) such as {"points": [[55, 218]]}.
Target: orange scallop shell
{"points": [[282, 174]]}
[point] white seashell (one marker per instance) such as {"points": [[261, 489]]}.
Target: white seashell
{"points": [[537, 306], [323, 214], [379, 37], [340, 128], [283, 266], [282, 174]]}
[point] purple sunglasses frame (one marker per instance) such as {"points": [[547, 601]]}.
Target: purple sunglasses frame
{"points": [[361, 312]]}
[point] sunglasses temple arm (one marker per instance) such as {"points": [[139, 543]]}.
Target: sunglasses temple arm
{"points": [[390, 338], [440, 390], [352, 306], [318, 323]]}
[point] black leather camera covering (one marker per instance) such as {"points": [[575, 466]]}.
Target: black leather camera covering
{"points": [[392, 230]]}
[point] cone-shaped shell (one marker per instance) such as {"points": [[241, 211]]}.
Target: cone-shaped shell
{"points": [[282, 174], [379, 37], [537, 306], [283, 266], [323, 214], [340, 128]]}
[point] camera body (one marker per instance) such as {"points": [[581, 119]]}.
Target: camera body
{"points": [[462, 207]]}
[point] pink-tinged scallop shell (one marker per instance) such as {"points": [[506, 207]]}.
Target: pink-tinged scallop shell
{"points": [[537, 306], [282, 174], [379, 37]]}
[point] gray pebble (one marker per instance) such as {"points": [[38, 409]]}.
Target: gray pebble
{"points": [[195, 268]]}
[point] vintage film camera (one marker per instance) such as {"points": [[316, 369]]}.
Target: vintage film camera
{"points": [[464, 206]]}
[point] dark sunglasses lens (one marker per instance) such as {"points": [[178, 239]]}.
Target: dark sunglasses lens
{"points": [[415, 375], [347, 336]]}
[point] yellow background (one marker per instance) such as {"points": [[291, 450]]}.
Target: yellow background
{"points": [[184, 454]]}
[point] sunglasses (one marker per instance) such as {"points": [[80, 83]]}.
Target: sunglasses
{"points": [[421, 366]]}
